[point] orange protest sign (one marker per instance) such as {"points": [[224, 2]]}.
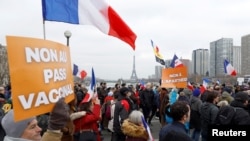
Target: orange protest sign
{"points": [[174, 77], [40, 73]]}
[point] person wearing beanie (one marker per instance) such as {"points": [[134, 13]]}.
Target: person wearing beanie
{"points": [[25, 130], [86, 127], [196, 92], [121, 112], [195, 124], [58, 118], [240, 103]]}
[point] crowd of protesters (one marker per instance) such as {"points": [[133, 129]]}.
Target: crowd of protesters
{"points": [[184, 114]]}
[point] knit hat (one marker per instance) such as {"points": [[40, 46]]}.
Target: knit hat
{"points": [[124, 90], [110, 94], [241, 96], [59, 116], [12, 128], [196, 92]]}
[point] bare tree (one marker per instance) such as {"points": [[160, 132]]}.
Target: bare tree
{"points": [[4, 69]]}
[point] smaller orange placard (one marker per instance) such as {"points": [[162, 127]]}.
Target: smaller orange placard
{"points": [[174, 77]]}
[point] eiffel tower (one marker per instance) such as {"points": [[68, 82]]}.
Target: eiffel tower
{"points": [[133, 75]]}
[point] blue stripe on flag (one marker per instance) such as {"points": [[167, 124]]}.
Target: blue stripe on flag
{"points": [[61, 11], [75, 69]]}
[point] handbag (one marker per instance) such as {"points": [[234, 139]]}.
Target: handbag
{"points": [[88, 136]]}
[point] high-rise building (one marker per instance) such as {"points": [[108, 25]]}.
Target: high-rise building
{"points": [[219, 51], [245, 55], [4, 69], [200, 62], [187, 63], [237, 59], [167, 63], [158, 72]]}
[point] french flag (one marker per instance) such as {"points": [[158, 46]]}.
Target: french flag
{"points": [[91, 91], [229, 69], [89, 12], [204, 85], [79, 72], [176, 62], [190, 86], [147, 129]]}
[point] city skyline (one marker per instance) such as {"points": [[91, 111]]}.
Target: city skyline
{"points": [[177, 27]]}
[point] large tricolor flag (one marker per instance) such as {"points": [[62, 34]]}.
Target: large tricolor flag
{"points": [[229, 69], [89, 12], [158, 56], [90, 94], [176, 62], [79, 72], [147, 129]]}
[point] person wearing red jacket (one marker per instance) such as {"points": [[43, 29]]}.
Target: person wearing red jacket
{"points": [[87, 126]]}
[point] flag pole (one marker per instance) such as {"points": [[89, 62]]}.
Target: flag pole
{"points": [[44, 34]]}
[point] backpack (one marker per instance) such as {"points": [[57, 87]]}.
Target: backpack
{"points": [[226, 115]]}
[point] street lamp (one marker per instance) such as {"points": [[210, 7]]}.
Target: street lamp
{"points": [[67, 34]]}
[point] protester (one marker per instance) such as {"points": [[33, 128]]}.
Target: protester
{"points": [[240, 104], [133, 127], [24, 130], [68, 129], [112, 110], [87, 126], [57, 120], [122, 111], [180, 112], [209, 111], [28, 129], [195, 121], [147, 100]]}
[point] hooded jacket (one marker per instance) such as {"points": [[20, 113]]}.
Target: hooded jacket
{"points": [[134, 132]]}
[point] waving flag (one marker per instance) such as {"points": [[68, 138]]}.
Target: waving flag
{"points": [[158, 56], [89, 95], [190, 86], [204, 85], [229, 69], [147, 129], [79, 72], [176, 62], [89, 12]]}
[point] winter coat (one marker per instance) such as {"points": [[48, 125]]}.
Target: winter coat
{"points": [[50, 136], [209, 113], [89, 121], [122, 111], [110, 124], [241, 117], [195, 105], [175, 126], [226, 96], [68, 134], [134, 132], [147, 98]]}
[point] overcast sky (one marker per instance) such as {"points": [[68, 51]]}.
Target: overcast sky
{"points": [[176, 26]]}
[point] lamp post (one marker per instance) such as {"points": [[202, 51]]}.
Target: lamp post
{"points": [[67, 34]]}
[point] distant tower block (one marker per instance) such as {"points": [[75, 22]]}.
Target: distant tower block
{"points": [[134, 76]]}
